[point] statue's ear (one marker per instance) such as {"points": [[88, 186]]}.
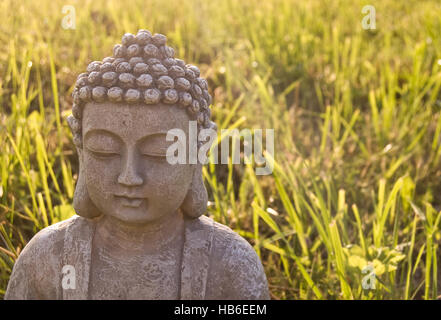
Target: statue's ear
{"points": [[82, 203], [195, 202]]}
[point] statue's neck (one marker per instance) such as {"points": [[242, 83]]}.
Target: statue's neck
{"points": [[148, 237]]}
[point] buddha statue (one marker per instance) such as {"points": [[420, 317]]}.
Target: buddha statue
{"points": [[139, 231]]}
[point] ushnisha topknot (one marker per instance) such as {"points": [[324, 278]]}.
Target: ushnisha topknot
{"points": [[142, 70]]}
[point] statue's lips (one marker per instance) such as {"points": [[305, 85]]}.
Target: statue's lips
{"points": [[127, 201]]}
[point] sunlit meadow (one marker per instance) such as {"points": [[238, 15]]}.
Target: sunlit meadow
{"points": [[356, 186]]}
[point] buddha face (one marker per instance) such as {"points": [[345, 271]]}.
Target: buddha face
{"points": [[124, 160]]}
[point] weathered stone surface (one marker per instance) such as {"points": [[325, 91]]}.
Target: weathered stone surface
{"points": [[139, 232]]}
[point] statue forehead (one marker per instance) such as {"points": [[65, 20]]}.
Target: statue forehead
{"points": [[138, 119]]}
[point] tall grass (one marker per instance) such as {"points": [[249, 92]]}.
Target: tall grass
{"points": [[356, 113]]}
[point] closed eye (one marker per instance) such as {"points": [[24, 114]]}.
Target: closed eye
{"points": [[155, 154], [103, 154], [103, 144], [154, 145]]}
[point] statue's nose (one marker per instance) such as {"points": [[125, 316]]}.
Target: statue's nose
{"points": [[129, 176]]}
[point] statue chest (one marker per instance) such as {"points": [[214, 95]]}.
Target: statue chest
{"points": [[178, 270], [135, 276]]}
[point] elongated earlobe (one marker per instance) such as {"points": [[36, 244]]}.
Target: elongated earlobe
{"points": [[195, 202], [82, 203]]}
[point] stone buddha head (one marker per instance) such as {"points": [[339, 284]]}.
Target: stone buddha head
{"points": [[123, 108]]}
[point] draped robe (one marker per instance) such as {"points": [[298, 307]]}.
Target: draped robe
{"points": [[216, 263]]}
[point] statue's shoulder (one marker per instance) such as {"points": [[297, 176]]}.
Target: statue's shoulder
{"points": [[220, 232], [224, 240], [220, 237], [50, 237], [236, 271], [36, 270]]}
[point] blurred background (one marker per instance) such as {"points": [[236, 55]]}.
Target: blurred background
{"points": [[354, 199]]}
